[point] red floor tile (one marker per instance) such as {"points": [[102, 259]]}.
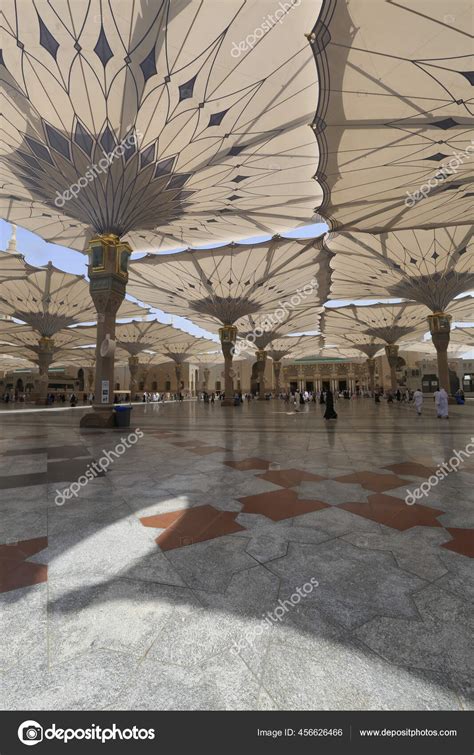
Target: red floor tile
{"points": [[280, 504], [379, 483], [394, 512], [15, 571], [245, 464], [412, 468], [192, 526], [205, 450], [462, 542], [288, 478]]}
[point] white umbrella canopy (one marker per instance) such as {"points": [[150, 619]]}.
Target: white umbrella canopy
{"points": [[49, 299], [294, 347], [394, 120], [216, 287], [387, 322], [356, 342], [10, 362], [427, 347], [462, 338], [430, 267], [141, 338], [17, 336], [263, 330], [201, 109]]}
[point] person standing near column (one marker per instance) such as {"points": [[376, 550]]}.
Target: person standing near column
{"points": [[418, 400], [441, 402]]}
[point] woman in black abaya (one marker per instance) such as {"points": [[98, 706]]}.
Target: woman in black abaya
{"points": [[330, 412]]}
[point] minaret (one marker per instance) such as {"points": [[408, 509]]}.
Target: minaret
{"points": [[12, 243]]}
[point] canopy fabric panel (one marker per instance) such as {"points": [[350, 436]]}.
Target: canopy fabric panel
{"points": [[430, 267], [394, 120], [221, 286], [165, 123]]}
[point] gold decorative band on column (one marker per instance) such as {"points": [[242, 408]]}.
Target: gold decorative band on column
{"points": [[228, 334], [439, 322], [46, 344], [109, 255]]}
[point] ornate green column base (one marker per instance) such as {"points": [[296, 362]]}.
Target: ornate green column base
{"points": [[440, 329], [228, 337], [108, 261]]}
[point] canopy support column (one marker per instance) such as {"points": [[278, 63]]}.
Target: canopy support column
{"points": [[228, 337], [391, 351], [108, 263], [440, 329], [261, 355], [371, 369]]}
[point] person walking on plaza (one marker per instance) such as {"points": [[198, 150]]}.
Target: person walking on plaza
{"points": [[418, 399], [441, 403], [330, 412], [297, 400]]}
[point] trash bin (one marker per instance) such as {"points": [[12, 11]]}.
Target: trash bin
{"points": [[122, 415]]}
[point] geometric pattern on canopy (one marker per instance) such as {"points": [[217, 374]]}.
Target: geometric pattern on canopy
{"points": [[138, 336], [350, 341], [294, 347], [49, 300], [22, 339], [430, 267], [462, 338], [385, 322], [212, 144], [220, 286], [296, 321], [395, 108]]}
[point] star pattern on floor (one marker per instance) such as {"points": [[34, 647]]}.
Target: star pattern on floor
{"points": [[190, 526], [15, 569]]}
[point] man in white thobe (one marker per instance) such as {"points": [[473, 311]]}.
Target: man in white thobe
{"points": [[441, 402], [418, 400]]}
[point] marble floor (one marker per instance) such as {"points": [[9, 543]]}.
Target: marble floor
{"points": [[236, 558]]}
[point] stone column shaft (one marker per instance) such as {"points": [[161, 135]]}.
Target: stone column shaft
{"points": [[45, 357], [228, 337], [108, 259], [371, 369], [261, 363], [391, 351], [440, 329], [133, 365], [179, 372], [277, 373]]}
